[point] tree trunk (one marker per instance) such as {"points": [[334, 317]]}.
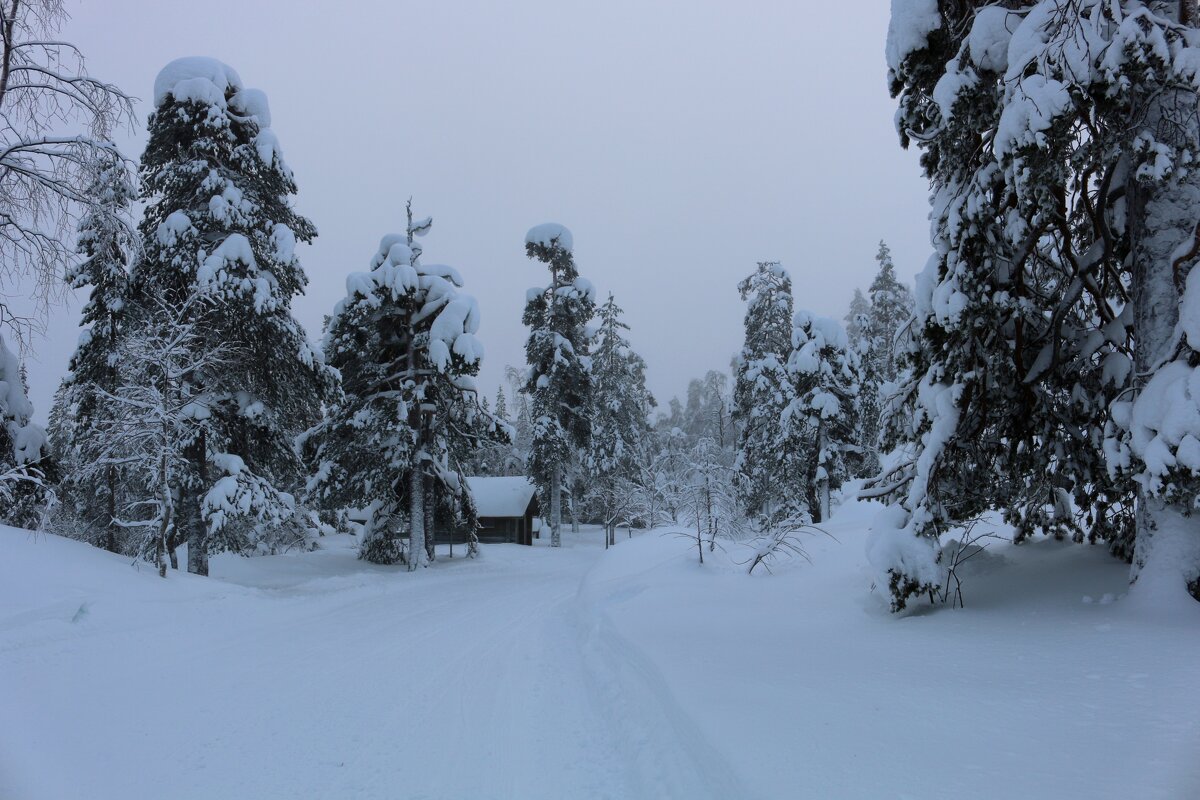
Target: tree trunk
{"points": [[160, 544], [574, 511], [430, 519], [197, 540], [555, 506], [1163, 220], [417, 555], [110, 534], [822, 514], [197, 537]]}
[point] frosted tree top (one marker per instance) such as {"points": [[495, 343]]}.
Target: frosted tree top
{"points": [[549, 232], [195, 78]]}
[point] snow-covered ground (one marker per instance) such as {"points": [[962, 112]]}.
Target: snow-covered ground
{"points": [[580, 673]]}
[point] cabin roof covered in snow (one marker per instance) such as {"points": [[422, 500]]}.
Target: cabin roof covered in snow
{"points": [[501, 497]]}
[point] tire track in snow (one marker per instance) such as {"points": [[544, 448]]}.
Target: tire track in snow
{"points": [[669, 754]]}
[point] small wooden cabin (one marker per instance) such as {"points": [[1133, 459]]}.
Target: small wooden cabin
{"points": [[507, 509]]}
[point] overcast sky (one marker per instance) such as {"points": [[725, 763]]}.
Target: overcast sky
{"points": [[681, 142]]}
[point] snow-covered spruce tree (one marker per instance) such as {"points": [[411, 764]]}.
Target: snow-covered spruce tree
{"points": [[1059, 139], [107, 243], [826, 378], [887, 313], [858, 318], [619, 404], [559, 384], [404, 342], [762, 390], [219, 225], [864, 461], [891, 307], [25, 469]]}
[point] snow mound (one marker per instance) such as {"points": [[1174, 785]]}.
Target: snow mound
{"points": [[195, 78], [549, 233]]}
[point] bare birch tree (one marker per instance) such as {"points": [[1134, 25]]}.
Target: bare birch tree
{"points": [[55, 121]]}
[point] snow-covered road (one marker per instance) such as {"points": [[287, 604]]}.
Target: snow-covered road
{"points": [[319, 676], [580, 673]]}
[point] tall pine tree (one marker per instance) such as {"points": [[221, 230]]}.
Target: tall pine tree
{"points": [[404, 342], [108, 243], [891, 307], [559, 383], [762, 391], [875, 334], [820, 419], [219, 226], [619, 406]]}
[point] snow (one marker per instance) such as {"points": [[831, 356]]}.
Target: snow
{"points": [[253, 103], [235, 247], [550, 233], [501, 497], [28, 440], [13, 401], [1031, 110], [1189, 307], [908, 31], [991, 33], [453, 331], [1165, 413], [176, 225], [948, 88], [195, 79], [631, 673], [266, 144], [284, 239]]}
